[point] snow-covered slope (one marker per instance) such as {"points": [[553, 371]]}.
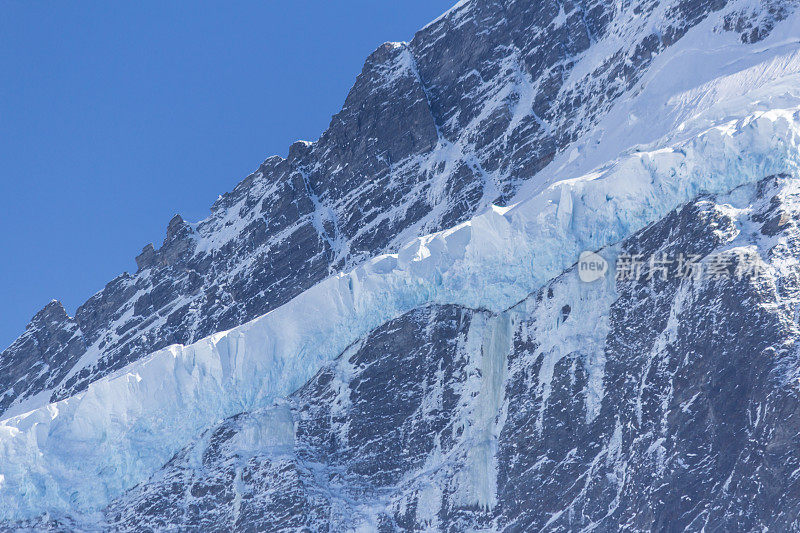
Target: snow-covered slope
{"points": [[129, 423]]}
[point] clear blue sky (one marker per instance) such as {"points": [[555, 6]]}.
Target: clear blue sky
{"points": [[114, 116]]}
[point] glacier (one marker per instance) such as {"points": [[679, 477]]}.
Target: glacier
{"points": [[710, 115]]}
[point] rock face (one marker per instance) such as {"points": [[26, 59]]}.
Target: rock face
{"points": [[432, 131], [668, 403]]}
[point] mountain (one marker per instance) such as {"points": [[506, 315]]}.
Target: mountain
{"points": [[432, 132], [386, 330]]}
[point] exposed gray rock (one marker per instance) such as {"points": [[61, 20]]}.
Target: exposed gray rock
{"points": [[41, 357]]}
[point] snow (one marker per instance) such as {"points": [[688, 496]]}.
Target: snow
{"points": [[708, 77], [428, 506], [716, 114]]}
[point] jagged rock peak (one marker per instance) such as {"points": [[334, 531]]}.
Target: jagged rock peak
{"points": [[51, 314]]}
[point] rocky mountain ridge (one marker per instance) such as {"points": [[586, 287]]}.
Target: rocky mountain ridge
{"points": [[432, 132]]}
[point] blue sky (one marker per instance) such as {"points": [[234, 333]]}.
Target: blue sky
{"points": [[115, 116]]}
